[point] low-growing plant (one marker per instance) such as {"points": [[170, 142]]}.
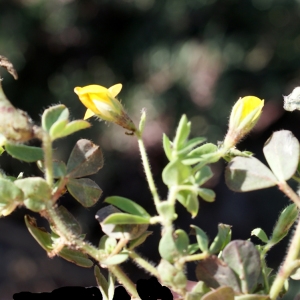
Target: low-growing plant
{"points": [[225, 269]]}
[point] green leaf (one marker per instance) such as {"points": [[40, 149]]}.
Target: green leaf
{"points": [[282, 154], [201, 237], [9, 192], [216, 273], [221, 293], [127, 231], [122, 218], [182, 241], [182, 133], [205, 152], [34, 188], [244, 259], [189, 200], [189, 145], [102, 283], [23, 152], [258, 232], [72, 127], [107, 244], [127, 205], [203, 175], [207, 194], [175, 173], [57, 128], [167, 246], [76, 257], [54, 114], [285, 221], [84, 190], [193, 248], [167, 147], [35, 205], [40, 234], [69, 219], [171, 276], [115, 259], [86, 159], [245, 174], [222, 238]]}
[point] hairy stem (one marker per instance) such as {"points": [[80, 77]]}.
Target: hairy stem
{"points": [[288, 265], [147, 169], [143, 263]]}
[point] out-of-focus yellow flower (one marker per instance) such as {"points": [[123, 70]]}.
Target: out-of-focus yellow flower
{"points": [[244, 115], [101, 102]]}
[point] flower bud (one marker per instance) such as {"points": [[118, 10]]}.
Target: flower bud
{"points": [[101, 102], [244, 115]]}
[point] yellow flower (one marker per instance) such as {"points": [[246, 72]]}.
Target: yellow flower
{"points": [[101, 102], [244, 115]]}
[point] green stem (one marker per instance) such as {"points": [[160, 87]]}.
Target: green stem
{"points": [[143, 263], [147, 169], [288, 265], [124, 280], [193, 257], [62, 229], [264, 272], [47, 147], [286, 189], [87, 248]]}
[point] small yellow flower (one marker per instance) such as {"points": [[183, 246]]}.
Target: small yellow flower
{"points": [[101, 102], [244, 115]]}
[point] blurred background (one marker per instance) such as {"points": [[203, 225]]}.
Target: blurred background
{"points": [[173, 57]]}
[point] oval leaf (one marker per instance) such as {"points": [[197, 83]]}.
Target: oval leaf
{"points": [[53, 114], [40, 234], [121, 218], [244, 259], [9, 192], [76, 257], [127, 205], [115, 260], [84, 190], [34, 188], [282, 154], [72, 127], [86, 159], [23, 152], [201, 237], [175, 173], [247, 174], [222, 293], [216, 273]]}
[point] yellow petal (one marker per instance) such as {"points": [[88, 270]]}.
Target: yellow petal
{"points": [[115, 89], [250, 103], [91, 89], [88, 114]]}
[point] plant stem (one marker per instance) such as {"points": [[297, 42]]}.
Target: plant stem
{"points": [[286, 189], [47, 147], [288, 265], [124, 279], [143, 263], [87, 248], [147, 169], [69, 238]]}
